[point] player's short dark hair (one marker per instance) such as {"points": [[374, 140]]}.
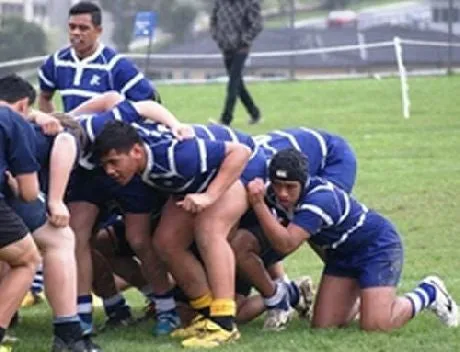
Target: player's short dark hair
{"points": [[14, 88], [87, 7], [116, 135], [289, 165]]}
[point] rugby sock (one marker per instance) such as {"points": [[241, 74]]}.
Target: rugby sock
{"points": [[164, 303], [285, 279], [2, 334], [421, 297], [68, 329], [116, 306], [85, 312], [222, 312], [37, 284], [202, 304], [293, 293], [279, 299]]}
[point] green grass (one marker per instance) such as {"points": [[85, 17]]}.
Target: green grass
{"points": [[408, 169]]}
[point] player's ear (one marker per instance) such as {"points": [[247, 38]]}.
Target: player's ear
{"points": [[22, 106], [137, 151]]}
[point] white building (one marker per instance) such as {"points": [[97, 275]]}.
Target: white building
{"points": [[440, 14]]}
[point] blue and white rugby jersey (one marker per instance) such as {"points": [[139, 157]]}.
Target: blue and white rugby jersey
{"points": [[79, 80], [329, 156], [92, 125], [179, 167], [189, 166], [333, 218], [217, 132], [312, 143]]}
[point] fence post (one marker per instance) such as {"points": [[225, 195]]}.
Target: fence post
{"points": [[402, 77], [292, 39], [449, 38]]}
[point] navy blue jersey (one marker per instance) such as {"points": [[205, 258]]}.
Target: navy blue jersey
{"points": [[79, 80], [17, 147], [333, 218]]}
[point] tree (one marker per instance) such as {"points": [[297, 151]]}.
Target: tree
{"points": [[20, 39], [174, 16]]}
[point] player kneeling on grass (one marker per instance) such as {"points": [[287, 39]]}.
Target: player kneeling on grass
{"points": [[363, 251]]}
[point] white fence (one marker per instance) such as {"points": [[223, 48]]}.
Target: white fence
{"points": [[30, 64]]}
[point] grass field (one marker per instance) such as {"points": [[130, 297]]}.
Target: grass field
{"points": [[408, 169]]}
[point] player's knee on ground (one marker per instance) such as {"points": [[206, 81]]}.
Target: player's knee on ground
{"points": [[377, 323]]}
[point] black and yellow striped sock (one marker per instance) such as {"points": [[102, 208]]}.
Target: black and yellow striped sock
{"points": [[223, 312], [202, 304]]}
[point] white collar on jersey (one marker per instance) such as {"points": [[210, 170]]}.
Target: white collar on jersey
{"points": [[150, 161], [90, 58]]}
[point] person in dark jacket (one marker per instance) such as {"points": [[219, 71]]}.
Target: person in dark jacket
{"points": [[234, 26]]}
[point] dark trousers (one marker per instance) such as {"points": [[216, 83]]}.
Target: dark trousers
{"points": [[234, 63]]}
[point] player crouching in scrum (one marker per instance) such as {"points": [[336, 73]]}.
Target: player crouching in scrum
{"points": [[363, 251]]}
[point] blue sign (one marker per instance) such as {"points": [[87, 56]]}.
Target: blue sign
{"points": [[144, 24]]}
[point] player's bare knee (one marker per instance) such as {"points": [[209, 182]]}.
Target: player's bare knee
{"points": [[383, 324], [101, 240], [30, 257], [164, 247], [64, 241], [139, 243], [244, 244]]}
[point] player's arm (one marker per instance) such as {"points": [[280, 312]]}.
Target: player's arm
{"points": [[27, 186], [156, 112], [100, 103], [131, 83], [45, 101], [24, 186], [234, 159], [50, 125], [20, 150], [62, 159], [47, 82], [284, 240]]}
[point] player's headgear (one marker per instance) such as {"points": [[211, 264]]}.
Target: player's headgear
{"points": [[289, 165]]}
